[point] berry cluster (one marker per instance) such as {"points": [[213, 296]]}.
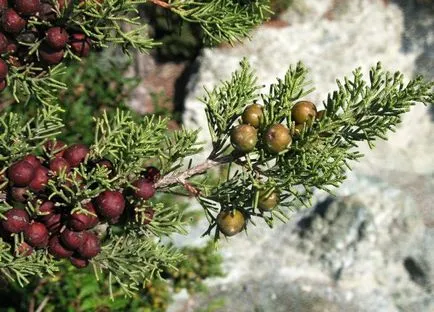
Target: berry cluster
{"points": [[29, 23], [48, 221], [275, 139]]}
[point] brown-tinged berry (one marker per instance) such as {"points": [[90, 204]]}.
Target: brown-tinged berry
{"points": [[303, 111], [19, 194], [76, 154], [277, 138], [253, 115], [268, 201], [71, 239], [56, 249], [90, 246], [57, 37], [144, 189], [59, 164], [36, 235], [50, 56], [12, 22], [21, 173], [80, 44], [4, 69], [16, 222], [46, 12], [244, 138], [79, 262], [110, 204], [27, 7], [230, 222], [40, 179]]}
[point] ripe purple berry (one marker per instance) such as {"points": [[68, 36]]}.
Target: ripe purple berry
{"points": [[58, 164], [110, 204], [4, 69], [71, 239], [33, 160], [19, 194], [27, 7], [144, 189], [76, 154], [80, 44], [40, 179], [21, 173], [12, 22], [90, 247], [57, 37], [17, 220], [36, 235], [49, 56], [57, 250], [54, 223], [81, 221]]}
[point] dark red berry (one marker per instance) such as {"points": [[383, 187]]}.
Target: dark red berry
{"points": [[21, 173], [144, 189], [59, 164], [82, 221], [152, 174], [76, 154], [3, 85], [71, 239], [55, 147], [12, 22], [57, 37], [54, 223], [3, 4], [79, 262], [49, 56], [3, 43], [80, 44], [110, 204], [27, 7], [36, 235], [4, 69], [24, 250], [57, 250], [90, 246], [17, 220], [46, 210], [19, 194], [40, 179], [33, 160]]}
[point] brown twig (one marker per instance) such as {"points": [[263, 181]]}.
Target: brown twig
{"points": [[182, 177], [161, 4]]}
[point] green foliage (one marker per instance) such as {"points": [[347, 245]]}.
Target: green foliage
{"points": [[358, 111], [72, 290]]}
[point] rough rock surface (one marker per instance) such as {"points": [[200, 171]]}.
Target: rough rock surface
{"points": [[370, 247]]}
